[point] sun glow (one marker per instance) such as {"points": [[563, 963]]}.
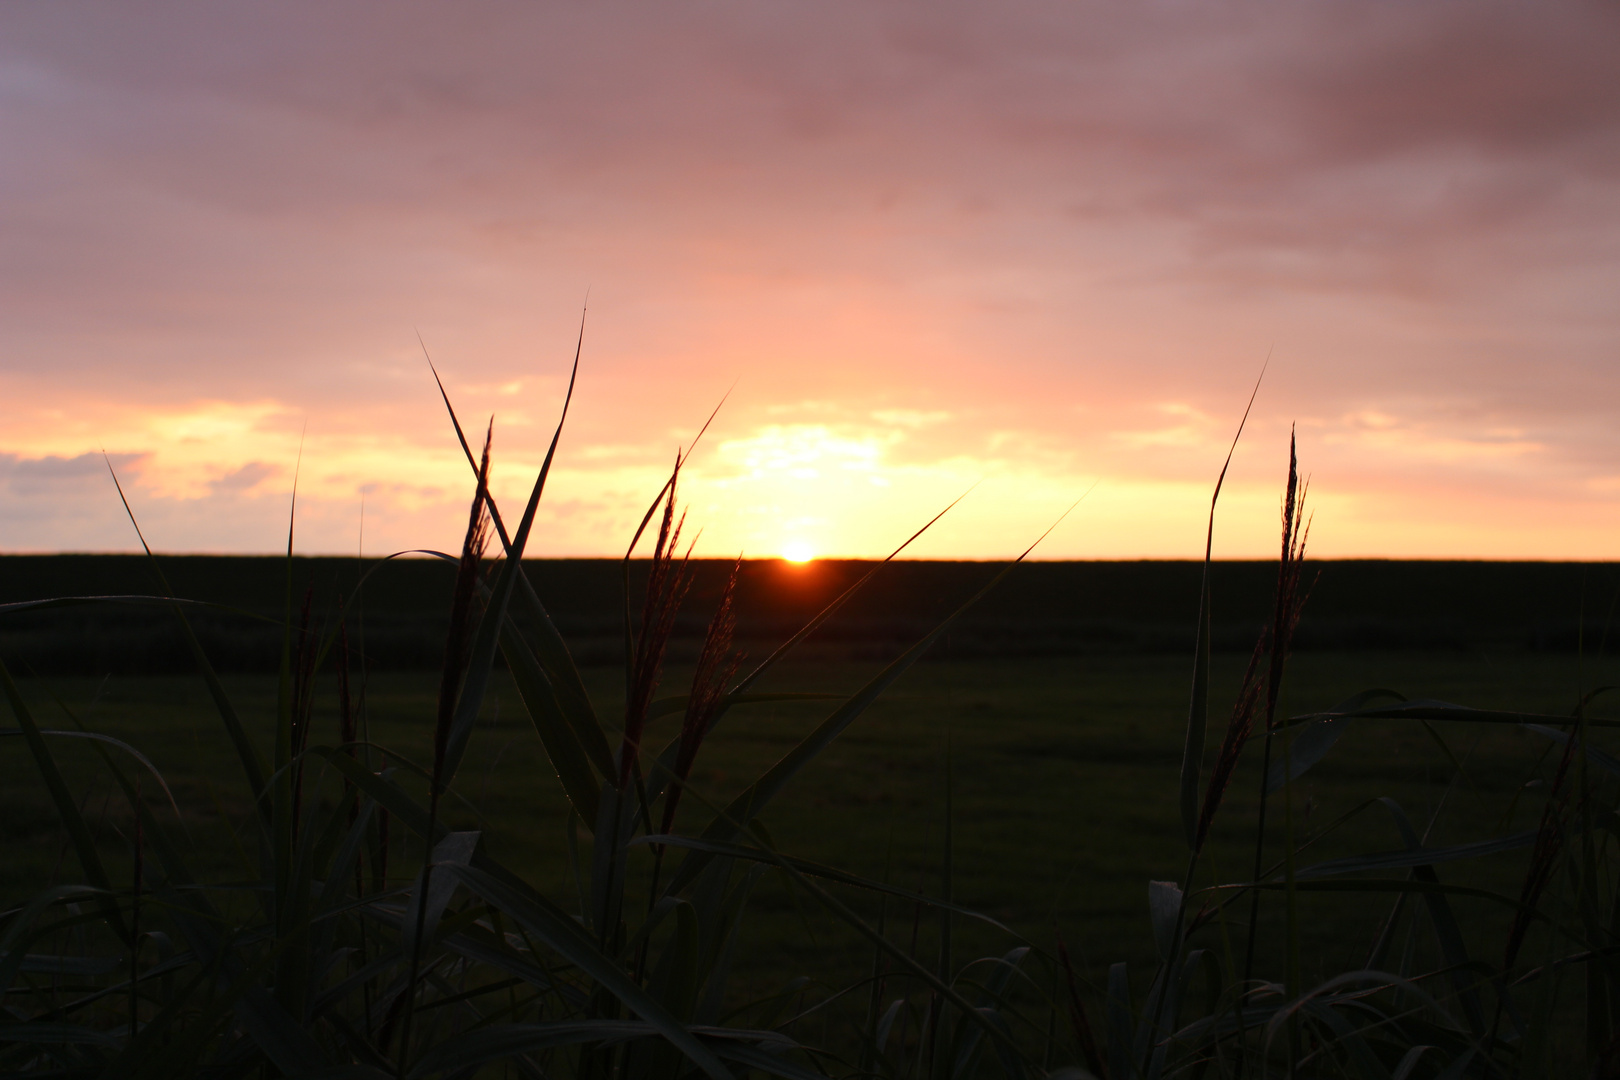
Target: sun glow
{"points": [[797, 551]]}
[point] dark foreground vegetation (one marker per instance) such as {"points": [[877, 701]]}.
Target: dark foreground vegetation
{"points": [[696, 863]]}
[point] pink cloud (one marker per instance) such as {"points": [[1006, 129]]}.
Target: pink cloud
{"points": [[1048, 220]]}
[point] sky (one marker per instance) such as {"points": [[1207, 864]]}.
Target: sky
{"points": [[1039, 250]]}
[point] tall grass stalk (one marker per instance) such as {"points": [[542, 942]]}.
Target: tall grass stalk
{"points": [[457, 645], [1285, 617]]}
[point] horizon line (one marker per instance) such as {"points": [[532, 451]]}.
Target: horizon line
{"points": [[415, 555]]}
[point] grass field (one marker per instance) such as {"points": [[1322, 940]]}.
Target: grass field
{"points": [[1040, 609], [1065, 776]]}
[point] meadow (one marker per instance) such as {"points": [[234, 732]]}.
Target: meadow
{"points": [[1063, 773], [1065, 770]]}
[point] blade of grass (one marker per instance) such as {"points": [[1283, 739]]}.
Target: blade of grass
{"points": [[567, 938], [253, 765], [1422, 709], [1085, 1039], [730, 850], [451, 691], [1313, 741], [843, 912], [19, 926], [872, 1045], [941, 1057], [831, 609], [84, 845], [271, 1027], [283, 809], [1417, 856], [552, 653], [567, 756], [747, 806], [1192, 755], [144, 761]]}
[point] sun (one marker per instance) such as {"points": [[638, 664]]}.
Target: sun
{"points": [[797, 551]]}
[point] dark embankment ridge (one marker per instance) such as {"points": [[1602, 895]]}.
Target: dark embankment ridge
{"points": [[1042, 609]]}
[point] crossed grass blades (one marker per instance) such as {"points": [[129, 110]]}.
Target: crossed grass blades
{"points": [[320, 959]]}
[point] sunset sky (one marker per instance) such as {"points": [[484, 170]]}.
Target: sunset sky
{"points": [[1043, 248]]}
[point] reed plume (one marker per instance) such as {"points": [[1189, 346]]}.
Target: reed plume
{"points": [[1290, 601], [1238, 729], [667, 583], [716, 667], [1273, 644]]}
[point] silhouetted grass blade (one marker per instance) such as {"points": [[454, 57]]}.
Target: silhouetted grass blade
{"points": [[559, 737], [566, 938], [1312, 743], [67, 808], [745, 807], [1192, 755]]}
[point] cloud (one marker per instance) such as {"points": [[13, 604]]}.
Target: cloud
{"points": [[54, 468], [1005, 235], [58, 482], [243, 479]]}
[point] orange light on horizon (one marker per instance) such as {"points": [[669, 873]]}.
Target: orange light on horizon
{"points": [[797, 551]]}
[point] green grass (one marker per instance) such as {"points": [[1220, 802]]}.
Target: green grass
{"points": [[1065, 782]]}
